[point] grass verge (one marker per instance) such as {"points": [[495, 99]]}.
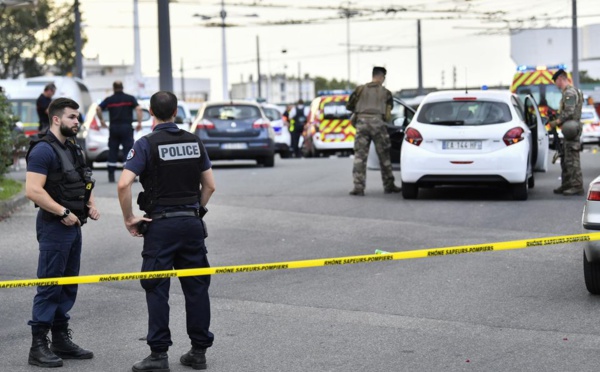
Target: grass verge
{"points": [[9, 188]]}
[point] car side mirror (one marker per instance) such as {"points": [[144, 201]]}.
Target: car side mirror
{"points": [[178, 120]]}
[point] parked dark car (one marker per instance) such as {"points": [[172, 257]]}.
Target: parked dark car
{"points": [[236, 130]]}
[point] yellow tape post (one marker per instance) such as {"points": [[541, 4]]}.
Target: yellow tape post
{"points": [[378, 257]]}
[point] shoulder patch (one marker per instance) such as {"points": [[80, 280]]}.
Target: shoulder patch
{"points": [[131, 154]]}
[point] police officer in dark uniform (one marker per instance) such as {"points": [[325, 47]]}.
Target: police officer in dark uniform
{"points": [[176, 175], [297, 118], [42, 104], [58, 182], [120, 108]]}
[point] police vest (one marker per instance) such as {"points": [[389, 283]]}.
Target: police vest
{"points": [[299, 120], [70, 187], [172, 177], [372, 100]]}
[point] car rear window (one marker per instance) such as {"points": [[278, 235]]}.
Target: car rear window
{"points": [[272, 114], [465, 113], [232, 112], [336, 110], [587, 115]]}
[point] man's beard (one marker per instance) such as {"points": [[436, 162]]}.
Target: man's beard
{"points": [[67, 131]]}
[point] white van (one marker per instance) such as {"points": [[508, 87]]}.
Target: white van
{"points": [[23, 94]]}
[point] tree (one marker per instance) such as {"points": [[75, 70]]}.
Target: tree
{"points": [[37, 39], [585, 78], [322, 83], [7, 122]]}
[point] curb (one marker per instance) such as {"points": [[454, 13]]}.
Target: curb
{"points": [[9, 206]]}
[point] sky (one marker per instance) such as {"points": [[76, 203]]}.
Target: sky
{"points": [[471, 37]]}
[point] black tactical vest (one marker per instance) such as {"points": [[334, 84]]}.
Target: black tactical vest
{"points": [[71, 187], [172, 177]]}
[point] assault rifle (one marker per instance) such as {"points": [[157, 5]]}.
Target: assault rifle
{"points": [[556, 142]]}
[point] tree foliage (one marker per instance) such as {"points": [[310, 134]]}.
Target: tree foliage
{"points": [[584, 77], [7, 124], [37, 39], [322, 83]]}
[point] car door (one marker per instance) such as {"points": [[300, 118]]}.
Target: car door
{"points": [[402, 115], [539, 135]]}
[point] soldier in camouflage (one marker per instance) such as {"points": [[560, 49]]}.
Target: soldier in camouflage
{"points": [[372, 104], [568, 120]]}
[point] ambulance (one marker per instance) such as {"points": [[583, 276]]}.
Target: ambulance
{"points": [[328, 129]]}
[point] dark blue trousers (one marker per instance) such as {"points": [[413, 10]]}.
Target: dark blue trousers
{"points": [[176, 243], [60, 255], [120, 135]]}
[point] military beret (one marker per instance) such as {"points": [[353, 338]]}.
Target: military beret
{"points": [[379, 70], [558, 73]]}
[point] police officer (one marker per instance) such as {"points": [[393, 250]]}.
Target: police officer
{"points": [[372, 104], [568, 120], [297, 118], [42, 104], [58, 182], [176, 175], [120, 109]]}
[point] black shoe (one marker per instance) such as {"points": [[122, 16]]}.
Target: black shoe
{"points": [[356, 192], [392, 189], [39, 354], [64, 347], [573, 191], [111, 178], [558, 190], [195, 358], [155, 362]]}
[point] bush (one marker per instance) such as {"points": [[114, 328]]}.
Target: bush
{"points": [[10, 139]]}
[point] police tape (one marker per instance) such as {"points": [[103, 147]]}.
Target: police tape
{"points": [[379, 256]]}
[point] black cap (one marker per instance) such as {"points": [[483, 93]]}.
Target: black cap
{"points": [[379, 70], [558, 73]]}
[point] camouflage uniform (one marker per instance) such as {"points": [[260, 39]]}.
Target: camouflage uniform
{"points": [[371, 103], [570, 110]]}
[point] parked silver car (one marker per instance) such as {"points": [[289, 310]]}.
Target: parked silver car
{"points": [[591, 223]]}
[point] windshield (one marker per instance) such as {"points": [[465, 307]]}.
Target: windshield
{"points": [[336, 110], [544, 94], [465, 113], [25, 110], [588, 115], [232, 112]]}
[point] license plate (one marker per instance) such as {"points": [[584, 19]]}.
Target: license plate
{"points": [[335, 136], [461, 145], [234, 146]]}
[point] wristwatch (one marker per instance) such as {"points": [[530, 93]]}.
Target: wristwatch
{"points": [[66, 212]]}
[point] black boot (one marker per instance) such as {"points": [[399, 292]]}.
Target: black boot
{"points": [[64, 347], [39, 354], [195, 358], [155, 362], [111, 177]]}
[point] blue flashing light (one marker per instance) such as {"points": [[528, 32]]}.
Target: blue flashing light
{"points": [[334, 92], [529, 68], [484, 87]]}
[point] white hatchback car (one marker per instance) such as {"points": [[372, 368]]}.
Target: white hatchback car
{"points": [[475, 137], [283, 138], [591, 223], [591, 126]]}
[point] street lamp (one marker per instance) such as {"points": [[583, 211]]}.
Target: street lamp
{"points": [[223, 15]]}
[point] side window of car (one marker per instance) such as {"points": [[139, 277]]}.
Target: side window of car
{"points": [[398, 114], [518, 109]]}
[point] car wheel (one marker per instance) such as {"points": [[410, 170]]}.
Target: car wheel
{"points": [[531, 182], [410, 190], [591, 273], [519, 190], [267, 161]]}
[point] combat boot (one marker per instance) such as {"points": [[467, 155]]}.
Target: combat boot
{"points": [[111, 177], [155, 362], [392, 189], [573, 191], [39, 354], [357, 192], [559, 190], [195, 358], [64, 347]]}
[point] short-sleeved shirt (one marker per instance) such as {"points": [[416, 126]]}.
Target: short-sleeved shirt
{"points": [[140, 156], [43, 159], [42, 105], [120, 108]]}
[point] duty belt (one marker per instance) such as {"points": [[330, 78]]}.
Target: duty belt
{"points": [[188, 213]]}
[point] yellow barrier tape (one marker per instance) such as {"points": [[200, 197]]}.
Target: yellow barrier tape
{"points": [[379, 256]]}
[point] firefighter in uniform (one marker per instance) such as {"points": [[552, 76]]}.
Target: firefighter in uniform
{"points": [[571, 128], [176, 175], [58, 182], [297, 118], [120, 108], [372, 104]]}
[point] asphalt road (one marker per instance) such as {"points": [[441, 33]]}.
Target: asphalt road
{"points": [[519, 310]]}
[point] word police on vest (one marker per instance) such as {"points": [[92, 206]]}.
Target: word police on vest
{"points": [[178, 151]]}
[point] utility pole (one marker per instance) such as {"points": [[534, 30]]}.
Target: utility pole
{"points": [[224, 53], [575, 72], [182, 82], [299, 83], [348, 43], [419, 59], [258, 66], [137, 54], [164, 47], [78, 43]]}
